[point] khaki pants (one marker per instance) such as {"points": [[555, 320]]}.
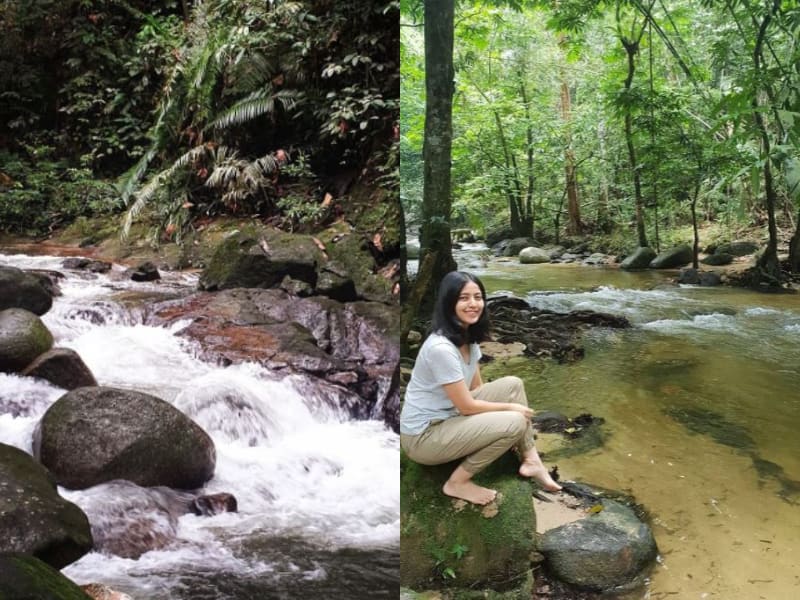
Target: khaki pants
{"points": [[482, 438]]}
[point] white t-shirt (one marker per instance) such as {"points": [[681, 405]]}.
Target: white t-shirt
{"points": [[439, 362]]}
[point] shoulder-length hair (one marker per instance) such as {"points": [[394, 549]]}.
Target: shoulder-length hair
{"points": [[444, 320]]}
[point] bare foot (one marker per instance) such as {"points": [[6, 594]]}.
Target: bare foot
{"points": [[539, 472], [469, 491]]}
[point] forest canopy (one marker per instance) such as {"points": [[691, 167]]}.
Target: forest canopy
{"points": [[615, 118]]}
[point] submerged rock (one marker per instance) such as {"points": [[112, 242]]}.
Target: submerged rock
{"points": [[96, 434], [34, 519], [605, 550]]}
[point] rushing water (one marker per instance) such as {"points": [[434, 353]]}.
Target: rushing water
{"points": [[702, 412], [318, 493]]}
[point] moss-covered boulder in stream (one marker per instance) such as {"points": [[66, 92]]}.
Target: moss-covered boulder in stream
{"points": [[63, 367], [23, 337], [34, 519], [446, 543], [261, 258], [95, 434], [28, 578]]}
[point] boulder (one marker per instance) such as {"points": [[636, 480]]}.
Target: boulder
{"points": [[261, 260], [640, 259], [602, 551], [214, 504], [63, 367], [674, 257], [515, 246], [689, 276], [498, 538], [717, 259], [86, 264], [710, 278], [532, 256], [350, 267], [146, 271], [23, 337], [19, 289], [737, 248], [28, 578], [34, 519], [96, 434]]}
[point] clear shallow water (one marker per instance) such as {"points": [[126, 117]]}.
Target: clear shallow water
{"points": [[702, 415], [318, 493]]}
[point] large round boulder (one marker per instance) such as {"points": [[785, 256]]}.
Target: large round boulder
{"points": [[96, 434], [673, 257], [19, 289], [28, 578], [63, 367], [532, 255], [34, 519], [602, 551], [640, 259], [23, 337]]}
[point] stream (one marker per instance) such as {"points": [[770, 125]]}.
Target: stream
{"points": [[702, 412], [318, 492]]}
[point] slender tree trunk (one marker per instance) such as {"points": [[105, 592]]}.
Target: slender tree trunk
{"points": [[794, 248], [574, 224], [436, 152], [631, 48], [768, 262], [530, 217]]}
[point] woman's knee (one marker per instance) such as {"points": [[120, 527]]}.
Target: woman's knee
{"points": [[517, 424]]}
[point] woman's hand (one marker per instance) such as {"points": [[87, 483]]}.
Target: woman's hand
{"points": [[527, 412]]}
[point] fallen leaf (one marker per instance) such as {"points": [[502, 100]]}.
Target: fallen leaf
{"points": [[376, 241], [319, 244], [328, 199]]}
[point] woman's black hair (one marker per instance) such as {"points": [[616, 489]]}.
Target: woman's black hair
{"points": [[444, 320]]}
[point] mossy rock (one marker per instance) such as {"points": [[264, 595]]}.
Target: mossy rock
{"points": [[28, 578], [499, 546], [23, 337], [350, 259], [374, 210], [261, 258]]}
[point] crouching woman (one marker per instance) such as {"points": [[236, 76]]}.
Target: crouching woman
{"points": [[449, 413]]}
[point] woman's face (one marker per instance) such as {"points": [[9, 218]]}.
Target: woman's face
{"points": [[469, 305]]}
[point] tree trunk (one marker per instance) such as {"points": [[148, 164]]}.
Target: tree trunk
{"points": [[436, 150], [574, 224], [768, 262], [794, 248], [631, 48]]}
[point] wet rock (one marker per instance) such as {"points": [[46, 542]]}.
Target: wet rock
{"points": [[640, 259], [214, 504], [62, 367], [28, 578], [34, 519], [499, 537], [673, 257], [98, 591], [19, 289], [602, 551], [86, 264], [146, 271], [548, 421], [353, 344], [515, 246], [532, 256], [96, 434], [23, 337], [710, 278]]}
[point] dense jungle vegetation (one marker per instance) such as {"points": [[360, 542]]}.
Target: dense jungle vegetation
{"points": [[170, 112], [621, 119]]}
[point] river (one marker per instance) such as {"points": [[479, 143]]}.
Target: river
{"points": [[702, 412], [318, 492]]}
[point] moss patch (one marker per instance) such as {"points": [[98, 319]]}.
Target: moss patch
{"points": [[433, 527]]}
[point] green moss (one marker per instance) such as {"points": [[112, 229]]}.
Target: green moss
{"points": [[374, 210], [499, 546], [27, 577]]}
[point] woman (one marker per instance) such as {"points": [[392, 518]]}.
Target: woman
{"points": [[450, 413]]}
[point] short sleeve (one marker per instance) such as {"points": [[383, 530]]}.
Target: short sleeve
{"points": [[445, 362]]}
